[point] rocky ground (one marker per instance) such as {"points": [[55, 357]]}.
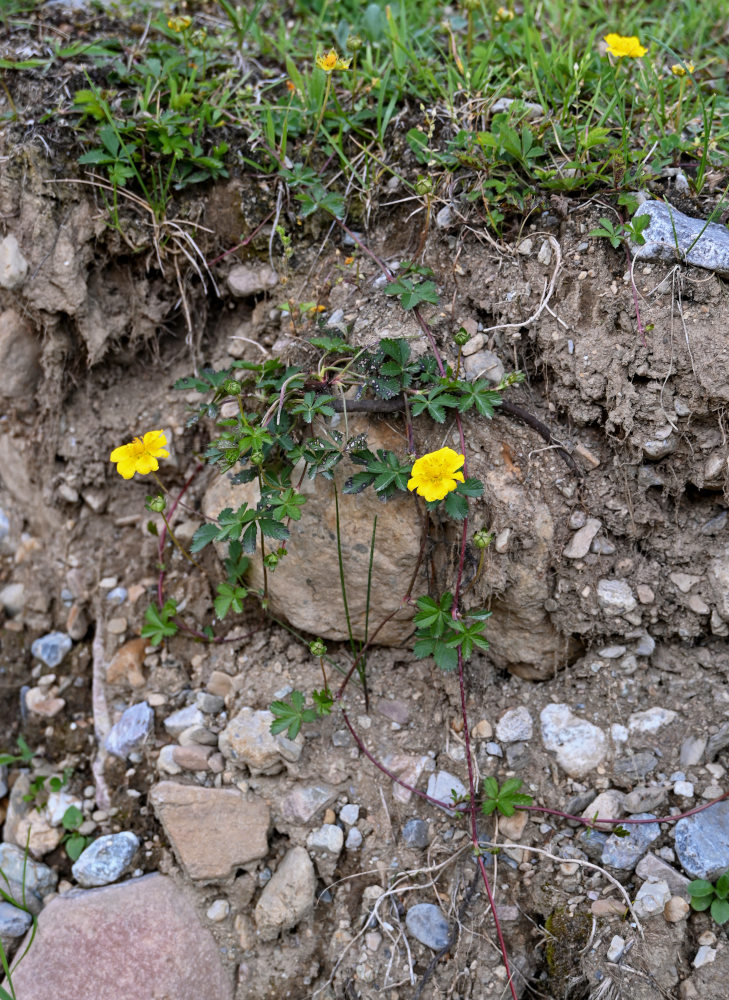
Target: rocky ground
{"points": [[224, 862]]}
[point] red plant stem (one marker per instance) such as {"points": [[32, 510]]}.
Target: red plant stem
{"points": [[455, 612], [240, 246], [623, 822]]}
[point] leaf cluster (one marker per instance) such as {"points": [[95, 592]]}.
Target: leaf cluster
{"points": [[503, 799], [710, 896], [441, 636], [289, 715]]}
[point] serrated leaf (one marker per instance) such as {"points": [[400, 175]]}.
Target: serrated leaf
{"points": [[456, 506], [205, 534], [358, 482]]}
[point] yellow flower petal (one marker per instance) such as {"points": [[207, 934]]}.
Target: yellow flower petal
{"points": [[331, 61], [621, 46], [140, 455], [436, 474]]}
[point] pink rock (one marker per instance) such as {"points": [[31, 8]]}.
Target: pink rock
{"points": [[139, 939]]}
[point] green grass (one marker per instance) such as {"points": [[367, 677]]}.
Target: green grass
{"points": [[239, 90]]}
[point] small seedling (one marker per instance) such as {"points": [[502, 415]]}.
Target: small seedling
{"points": [[711, 896], [74, 842]]}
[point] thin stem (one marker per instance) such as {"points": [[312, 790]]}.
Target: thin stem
{"points": [[263, 549], [179, 547]]}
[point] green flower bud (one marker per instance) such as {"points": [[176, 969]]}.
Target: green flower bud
{"points": [[462, 337], [232, 387], [470, 4], [256, 458], [354, 43], [271, 560], [423, 186], [157, 504], [482, 539], [317, 648]]}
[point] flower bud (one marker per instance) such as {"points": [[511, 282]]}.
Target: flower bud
{"points": [[271, 560], [317, 648], [462, 337], [256, 458], [423, 186], [157, 504], [482, 539], [232, 387], [354, 43]]}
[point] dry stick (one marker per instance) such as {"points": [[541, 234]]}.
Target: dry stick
{"points": [[455, 609], [100, 708]]}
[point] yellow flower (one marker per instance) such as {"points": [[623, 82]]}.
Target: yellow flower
{"points": [[179, 24], [435, 474], [502, 14], [140, 455], [620, 45], [681, 69], [331, 61]]}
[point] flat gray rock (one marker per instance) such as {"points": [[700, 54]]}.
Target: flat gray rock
{"points": [[673, 236], [52, 648], [625, 852], [702, 842], [14, 922], [106, 859], [22, 868], [140, 939], [132, 730], [288, 897], [427, 923]]}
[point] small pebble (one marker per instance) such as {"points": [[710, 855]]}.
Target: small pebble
{"points": [[218, 910], [427, 924], [52, 648], [354, 839], [349, 814]]}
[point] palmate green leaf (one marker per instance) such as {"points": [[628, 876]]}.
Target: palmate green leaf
{"points": [[446, 659], [504, 799], [158, 624], [479, 394], [288, 504], [456, 506], [230, 598], [411, 293], [434, 617], [434, 403], [289, 715]]}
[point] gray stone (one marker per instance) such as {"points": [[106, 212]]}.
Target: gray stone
{"points": [[579, 544], [615, 597], [13, 924], [394, 709], [415, 833], [637, 765], [288, 897], [625, 852], [19, 360], [702, 842], [20, 868], [247, 739], [182, 719], [514, 725], [657, 448], [12, 598], [718, 576], [106, 859], [117, 595], [653, 867], [645, 645], [141, 938], [354, 839], [52, 648], [650, 899], [493, 749], [209, 704], [592, 842], [673, 236], [303, 802], [428, 924], [579, 745], [328, 838], [131, 731], [484, 364], [650, 720], [440, 786], [13, 265], [644, 799], [349, 814], [615, 949], [245, 281]]}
